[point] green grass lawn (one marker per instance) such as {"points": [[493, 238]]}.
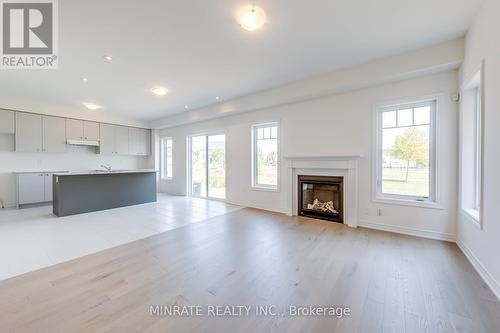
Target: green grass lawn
{"points": [[393, 181], [268, 175]]}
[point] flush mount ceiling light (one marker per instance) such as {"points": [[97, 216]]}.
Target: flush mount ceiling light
{"points": [[252, 18], [108, 58], [217, 98], [84, 78], [92, 106], [159, 91]]}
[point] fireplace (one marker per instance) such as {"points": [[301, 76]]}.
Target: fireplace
{"points": [[321, 197]]}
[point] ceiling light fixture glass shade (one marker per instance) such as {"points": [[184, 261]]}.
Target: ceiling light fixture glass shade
{"points": [[252, 18], [160, 91], [92, 106]]}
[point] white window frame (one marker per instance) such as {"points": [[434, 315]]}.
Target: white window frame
{"points": [[255, 185], [472, 207], [163, 159], [433, 201]]}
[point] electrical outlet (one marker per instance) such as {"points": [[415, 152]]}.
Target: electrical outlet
{"points": [[379, 211]]}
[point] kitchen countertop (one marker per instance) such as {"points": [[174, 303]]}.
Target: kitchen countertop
{"points": [[102, 172]]}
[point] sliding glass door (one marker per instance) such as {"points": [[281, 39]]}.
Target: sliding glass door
{"points": [[208, 166]]}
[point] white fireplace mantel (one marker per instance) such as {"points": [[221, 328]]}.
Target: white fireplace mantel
{"points": [[336, 165]]}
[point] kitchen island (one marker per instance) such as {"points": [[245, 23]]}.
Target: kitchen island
{"points": [[83, 192]]}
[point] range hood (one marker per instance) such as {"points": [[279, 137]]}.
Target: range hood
{"points": [[83, 143]]}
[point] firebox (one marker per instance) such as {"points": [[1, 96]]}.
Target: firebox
{"points": [[321, 197]]}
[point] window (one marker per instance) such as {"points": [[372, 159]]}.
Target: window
{"points": [[471, 147], [477, 147], [265, 156], [166, 158], [406, 152]]}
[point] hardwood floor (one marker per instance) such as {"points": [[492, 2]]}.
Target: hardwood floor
{"points": [[389, 282]]}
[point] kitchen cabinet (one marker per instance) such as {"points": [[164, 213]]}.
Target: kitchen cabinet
{"points": [[47, 187], [34, 187], [36, 133], [30, 188], [121, 140], [7, 122], [82, 130], [114, 139], [74, 129], [91, 131], [28, 132], [53, 135], [139, 141]]}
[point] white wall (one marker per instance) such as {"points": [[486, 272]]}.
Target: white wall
{"points": [[482, 245], [334, 125]]}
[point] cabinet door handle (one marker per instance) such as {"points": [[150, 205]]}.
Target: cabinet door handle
{"points": [[41, 174]]}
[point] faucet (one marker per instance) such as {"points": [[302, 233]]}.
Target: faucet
{"points": [[107, 167]]}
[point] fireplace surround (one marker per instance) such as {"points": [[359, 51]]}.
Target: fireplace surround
{"points": [[326, 165], [321, 197]]}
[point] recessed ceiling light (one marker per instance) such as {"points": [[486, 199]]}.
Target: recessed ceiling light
{"points": [[108, 58], [252, 18], [186, 107], [84, 78], [92, 106], [217, 98], [160, 91]]}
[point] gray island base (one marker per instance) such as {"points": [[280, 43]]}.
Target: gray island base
{"points": [[76, 193]]}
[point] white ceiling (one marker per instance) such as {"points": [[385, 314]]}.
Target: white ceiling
{"points": [[197, 50]]}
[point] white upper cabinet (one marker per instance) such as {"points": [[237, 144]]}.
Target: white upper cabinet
{"points": [[82, 130], [54, 135], [107, 143], [7, 122], [114, 139], [121, 140], [28, 132], [74, 129], [90, 131], [37, 133], [139, 141]]}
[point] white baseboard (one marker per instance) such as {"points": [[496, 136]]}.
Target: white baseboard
{"points": [[481, 270], [408, 231], [256, 206]]}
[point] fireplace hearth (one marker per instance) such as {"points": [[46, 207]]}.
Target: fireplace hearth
{"points": [[321, 197]]}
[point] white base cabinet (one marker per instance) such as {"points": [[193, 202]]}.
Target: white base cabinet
{"points": [[34, 188]]}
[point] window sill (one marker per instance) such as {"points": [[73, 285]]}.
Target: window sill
{"points": [[411, 203], [265, 189], [472, 215]]}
